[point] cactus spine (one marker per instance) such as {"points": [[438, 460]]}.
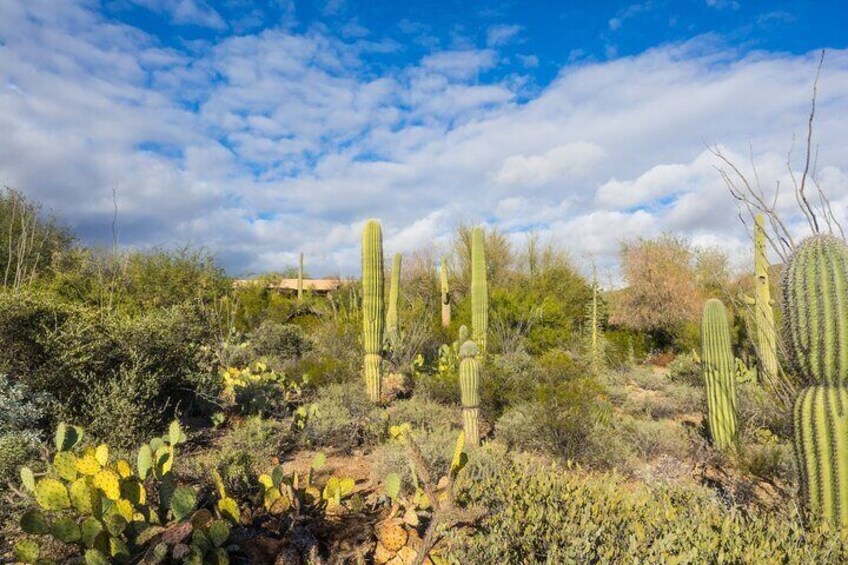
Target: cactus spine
{"points": [[446, 305], [815, 290], [763, 306], [479, 291], [372, 305], [392, 323], [719, 377], [300, 278], [469, 384]]}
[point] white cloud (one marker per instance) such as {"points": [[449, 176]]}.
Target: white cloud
{"points": [[263, 144], [186, 12], [501, 34]]}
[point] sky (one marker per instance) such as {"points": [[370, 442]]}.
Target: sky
{"points": [[261, 129]]}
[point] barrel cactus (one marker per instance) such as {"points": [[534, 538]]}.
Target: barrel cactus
{"points": [[479, 291], [815, 291], [372, 305], [392, 323], [469, 384], [719, 375]]}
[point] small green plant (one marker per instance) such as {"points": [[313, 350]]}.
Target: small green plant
{"points": [[259, 390]]}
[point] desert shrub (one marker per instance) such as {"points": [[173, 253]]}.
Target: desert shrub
{"points": [[767, 456], [649, 439], [647, 378], [422, 413], [22, 410], [437, 446], [342, 416], [259, 390], [686, 369], [757, 409], [540, 515], [673, 400], [283, 342], [247, 450], [558, 420], [98, 366], [16, 449], [508, 380]]}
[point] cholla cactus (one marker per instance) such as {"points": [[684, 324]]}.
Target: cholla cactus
{"points": [[392, 320], [469, 384], [719, 375], [373, 308], [815, 290], [446, 302], [479, 291]]}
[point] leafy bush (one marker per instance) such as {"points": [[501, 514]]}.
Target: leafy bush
{"points": [[108, 372], [342, 416], [543, 516], [279, 342], [16, 449], [686, 369], [436, 445], [422, 413], [258, 390], [21, 410]]}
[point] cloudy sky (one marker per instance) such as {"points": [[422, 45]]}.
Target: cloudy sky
{"points": [[259, 129]]}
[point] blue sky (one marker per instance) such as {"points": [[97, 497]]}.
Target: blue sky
{"points": [[259, 129]]}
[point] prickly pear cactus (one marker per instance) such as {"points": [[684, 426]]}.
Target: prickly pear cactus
{"points": [[469, 383], [101, 506], [719, 375], [373, 319], [815, 290], [479, 291]]}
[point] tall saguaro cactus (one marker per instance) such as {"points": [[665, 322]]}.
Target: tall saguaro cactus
{"points": [[300, 278], [479, 291], [373, 307], [763, 305], [815, 291], [392, 320], [719, 374], [469, 385], [446, 303]]}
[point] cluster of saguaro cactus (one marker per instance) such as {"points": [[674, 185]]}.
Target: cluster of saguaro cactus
{"points": [[479, 290], [392, 321], [469, 385], [763, 306], [373, 308], [446, 302], [300, 277], [719, 375], [815, 291]]}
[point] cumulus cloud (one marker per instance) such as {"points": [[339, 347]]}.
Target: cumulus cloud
{"points": [[186, 12], [264, 144]]}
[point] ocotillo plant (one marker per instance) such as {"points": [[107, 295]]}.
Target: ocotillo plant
{"points": [[446, 305], [469, 385], [815, 291], [479, 291], [719, 374], [392, 321], [763, 306], [373, 307], [300, 278]]}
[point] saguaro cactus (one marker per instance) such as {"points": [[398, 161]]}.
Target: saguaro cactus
{"points": [[479, 291], [446, 305], [372, 305], [595, 352], [392, 323], [815, 290], [469, 384], [719, 375], [300, 278], [763, 306]]}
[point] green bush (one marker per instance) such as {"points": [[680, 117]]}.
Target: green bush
{"points": [[437, 446], [422, 413], [108, 372], [539, 515], [686, 369], [16, 449], [22, 410], [280, 342], [342, 416]]}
